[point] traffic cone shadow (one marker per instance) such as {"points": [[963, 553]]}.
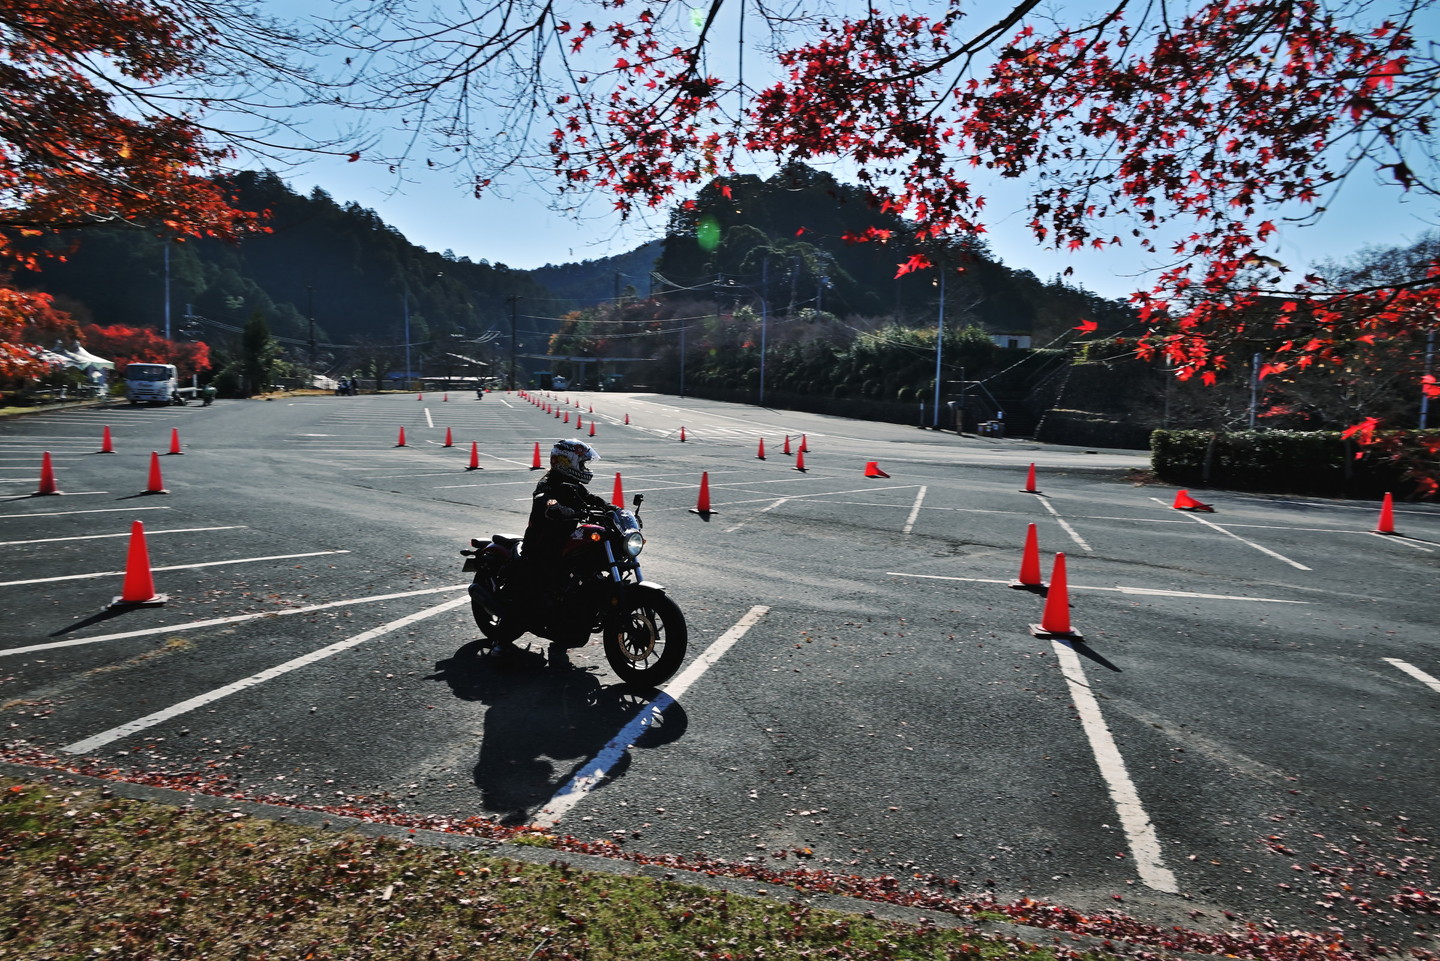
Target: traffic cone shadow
{"points": [[138, 589], [702, 503], [1055, 620]]}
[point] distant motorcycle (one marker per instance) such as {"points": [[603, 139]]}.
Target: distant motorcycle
{"points": [[599, 589]]}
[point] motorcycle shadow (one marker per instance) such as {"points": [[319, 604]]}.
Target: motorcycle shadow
{"points": [[543, 724]]}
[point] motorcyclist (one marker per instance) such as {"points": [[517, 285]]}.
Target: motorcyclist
{"points": [[556, 509]]}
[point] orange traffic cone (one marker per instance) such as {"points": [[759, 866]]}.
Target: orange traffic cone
{"points": [[579, 423], [786, 449], [401, 441], [535, 464], [157, 485], [474, 456], [1029, 579], [567, 417], [760, 454], [804, 443], [106, 447], [800, 460], [1387, 516], [627, 420], [449, 442], [592, 428], [682, 435], [175, 441], [1184, 502], [1055, 621], [618, 497], [138, 589], [47, 477], [702, 505], [445, 399], [1030, 487], [872, 469], [419, 396]]}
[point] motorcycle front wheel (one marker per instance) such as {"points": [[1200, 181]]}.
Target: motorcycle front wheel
{"points": [[646, 646]]}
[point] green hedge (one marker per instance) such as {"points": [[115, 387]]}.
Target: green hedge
{"points": [[1318, 463], [1080, 428]]}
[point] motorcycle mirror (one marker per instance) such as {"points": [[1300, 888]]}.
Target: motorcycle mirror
{"points": [[639, 499]]}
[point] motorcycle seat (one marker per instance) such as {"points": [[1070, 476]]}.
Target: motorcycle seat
{"points": [[504, 540]]}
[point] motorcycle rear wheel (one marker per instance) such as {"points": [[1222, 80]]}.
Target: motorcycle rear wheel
{"points": [[647, 647], [489, 624]]}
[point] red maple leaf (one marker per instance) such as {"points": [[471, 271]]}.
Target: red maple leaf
{"points": [[916, 262], [1086, 326]]}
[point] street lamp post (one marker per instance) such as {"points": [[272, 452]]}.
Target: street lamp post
{"points": [[405, 300], [514, 304], [939, 349]]}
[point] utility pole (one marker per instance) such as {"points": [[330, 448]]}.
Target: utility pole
{"points": [[764, 318], [514, 306], [310, 290], [939, 348]]}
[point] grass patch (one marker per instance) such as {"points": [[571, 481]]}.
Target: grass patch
{"points": [[88, 875]]}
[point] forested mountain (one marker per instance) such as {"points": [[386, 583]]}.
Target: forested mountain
{"points": [[805, 240], [798, 241], [338, 264]]}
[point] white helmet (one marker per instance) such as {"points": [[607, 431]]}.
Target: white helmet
{"points": [[568, 458]]}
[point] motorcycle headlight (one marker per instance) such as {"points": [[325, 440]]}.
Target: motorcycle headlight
{"points": [[634, 541]]}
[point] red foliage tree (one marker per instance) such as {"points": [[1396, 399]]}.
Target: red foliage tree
{"points": [[1187, 136], [74, 151], [127, 345]]}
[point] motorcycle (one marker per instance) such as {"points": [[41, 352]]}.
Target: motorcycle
{"points": [[600, 589]]}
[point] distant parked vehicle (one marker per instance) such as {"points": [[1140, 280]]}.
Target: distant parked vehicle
{"points": [[154, 384]]}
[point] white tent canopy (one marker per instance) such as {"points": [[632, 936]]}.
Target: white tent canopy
{"points": [[78, 356]]}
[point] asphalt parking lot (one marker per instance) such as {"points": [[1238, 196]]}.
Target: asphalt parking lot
{"points": [[1248, 724]]}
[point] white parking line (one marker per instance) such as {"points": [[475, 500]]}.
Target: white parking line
{"points": [[1119, 589], [1415, 672], [1068, 529], [733, 528], [150, 720], [96, 537], [591, 774], [100, 510], [915, 510], [221, 621], [1264, 550], [176, 567], [1144, 844]]}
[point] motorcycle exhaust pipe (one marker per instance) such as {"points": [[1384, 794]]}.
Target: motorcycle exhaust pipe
{"points": [[480, 594]]}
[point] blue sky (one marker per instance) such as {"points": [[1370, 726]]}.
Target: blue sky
{"points": [[514, 225]]}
